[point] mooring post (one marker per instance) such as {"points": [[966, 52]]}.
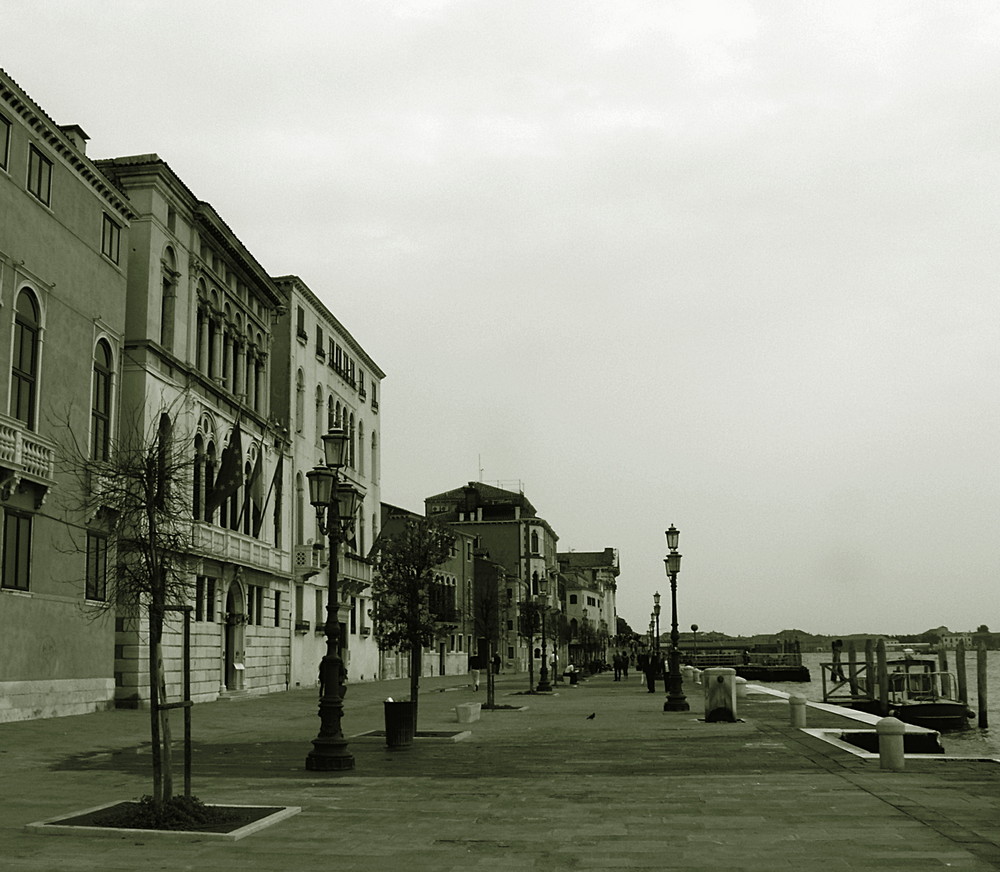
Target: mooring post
{"points": [[984, 720], [797, 709], [869, 669], [963, 681], [942, 658], [883, 678], [891, 755]]}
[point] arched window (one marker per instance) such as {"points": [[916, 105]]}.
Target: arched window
{"points": [[361, 447], [100, 406], [24, 367], [300, 511], [350, 443], [199, 477], [534, 543], [209, 478], [300, 400], [164, 460], [375, 457], [168, 297], [245, 508], [319, 413], [331, 414]]}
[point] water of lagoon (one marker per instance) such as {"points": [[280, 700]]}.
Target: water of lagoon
{"points": [[973, 742]]}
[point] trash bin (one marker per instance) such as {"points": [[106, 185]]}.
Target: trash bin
{"points": [[399, 726]]}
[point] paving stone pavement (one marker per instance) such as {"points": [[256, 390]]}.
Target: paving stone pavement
{"points": [[544, 788]]}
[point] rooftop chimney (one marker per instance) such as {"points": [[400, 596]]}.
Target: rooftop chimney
{"points": [[75, 134]]}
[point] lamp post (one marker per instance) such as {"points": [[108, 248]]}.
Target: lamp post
{"points": [[336, 505], [656, 617], [694, 633], [544, 685], [652, 633], [675, 701]]}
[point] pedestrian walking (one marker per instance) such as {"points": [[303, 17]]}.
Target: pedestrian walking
{"points": [[475, 665], [616, 661], [625, 661]]}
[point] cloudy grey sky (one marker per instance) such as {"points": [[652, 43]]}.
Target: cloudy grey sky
{"points": [[731, 265]]}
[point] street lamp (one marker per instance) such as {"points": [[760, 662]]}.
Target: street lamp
{"points": [[656, 617], [337, 506], [694, 632], [652, 632], [544, 685], [675, 701]]}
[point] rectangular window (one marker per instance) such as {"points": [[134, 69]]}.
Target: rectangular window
{"points": [[4, 142], [204, 601], [300, 322], [354, 615], [39, 175], [277, 608], [16, 550], [320, 350], [97, 566], [320, 617], [331, 348], [111, 237]]}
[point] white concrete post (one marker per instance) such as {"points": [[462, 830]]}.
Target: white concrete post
{"points": [[890, 744], [797, 709]]}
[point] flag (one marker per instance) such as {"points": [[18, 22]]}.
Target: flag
{"points": [[274, 488], [230, 474]]}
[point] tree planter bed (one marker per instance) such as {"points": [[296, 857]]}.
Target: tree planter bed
{"points": [[236, 822]]}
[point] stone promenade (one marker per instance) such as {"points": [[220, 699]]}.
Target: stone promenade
{"points": [[546, 788]]}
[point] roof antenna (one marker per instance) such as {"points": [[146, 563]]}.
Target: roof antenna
{"points": [[480, 468]]}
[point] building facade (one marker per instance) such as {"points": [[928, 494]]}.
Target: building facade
{"points": [[507, 529], [325, 379], [590, 582], [64, 232], [198, 365]]}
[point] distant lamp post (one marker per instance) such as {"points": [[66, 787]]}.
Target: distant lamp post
{"points": [[652, 629], [544, 685], [337, 506], [675, 701], [694, 632], [656, 618]]}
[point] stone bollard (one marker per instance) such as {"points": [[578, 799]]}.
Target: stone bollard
{"points": [[741, 687], [720, 694], [890, 744], [797, 707]]}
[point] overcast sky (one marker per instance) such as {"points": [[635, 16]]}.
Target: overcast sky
{"points": [[732, 266]]}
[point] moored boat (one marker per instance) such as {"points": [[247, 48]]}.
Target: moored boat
{"points": [[919, 694]]}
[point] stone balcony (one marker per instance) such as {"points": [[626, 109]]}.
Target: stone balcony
{"points": [[23, 455], [228, 545]]}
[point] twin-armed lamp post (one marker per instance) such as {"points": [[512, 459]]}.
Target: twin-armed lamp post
{"points": [[675, 701], [337, 504]]}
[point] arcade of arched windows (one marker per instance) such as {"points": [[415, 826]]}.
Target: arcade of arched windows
{"points": [[242, 509], [230, 350]]}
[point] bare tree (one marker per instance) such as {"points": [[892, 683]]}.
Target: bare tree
{"points": [[138, 491], [401, 600]]}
